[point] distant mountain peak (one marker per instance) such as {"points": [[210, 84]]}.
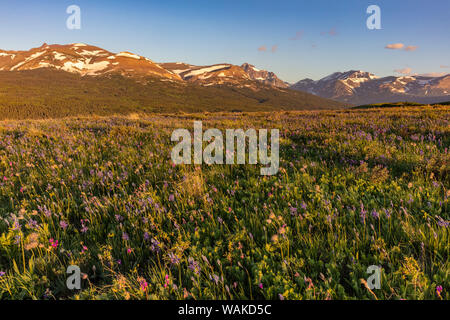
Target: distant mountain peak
{"points": [[360, 87], [263, 76]]}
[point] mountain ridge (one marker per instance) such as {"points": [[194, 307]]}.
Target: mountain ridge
{"points": [[359, 87], [354, 87], [89, 60]]}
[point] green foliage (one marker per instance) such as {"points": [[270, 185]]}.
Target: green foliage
{"points": [[389, 105]]}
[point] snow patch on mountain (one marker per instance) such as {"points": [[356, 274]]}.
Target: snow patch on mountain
{"points": [[128, 55], [83, 67], [204, 70]]}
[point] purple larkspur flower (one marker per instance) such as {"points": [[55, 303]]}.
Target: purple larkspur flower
{"points": [[375, 214], [155, 246], [16, 225], [194, 266], [174, 259], [442, 223], [32, 224], [215, 278]]}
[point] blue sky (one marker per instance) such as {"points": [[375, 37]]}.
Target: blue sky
{"points": [[331, 35]]}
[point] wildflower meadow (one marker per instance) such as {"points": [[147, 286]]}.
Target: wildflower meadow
{"points": [[355, 188]]}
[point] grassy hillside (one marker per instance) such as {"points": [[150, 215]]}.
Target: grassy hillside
{"points": [[50, 94]]}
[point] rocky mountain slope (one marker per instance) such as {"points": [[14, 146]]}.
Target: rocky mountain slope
{"points": [[90, 60], [359, 87], [264, 76], [82, 59], [209, 75]]}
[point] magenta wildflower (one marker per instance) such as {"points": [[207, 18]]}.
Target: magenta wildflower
{"points": [[166, 283], [53, 243], [143, 284]]}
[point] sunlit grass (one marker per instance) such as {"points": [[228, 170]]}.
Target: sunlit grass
{"points": [[355, 188]]}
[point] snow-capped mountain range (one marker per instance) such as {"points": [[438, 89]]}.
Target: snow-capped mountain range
{"points": [[352, 87], [88, 60], [359, 87], [82, 59]]}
